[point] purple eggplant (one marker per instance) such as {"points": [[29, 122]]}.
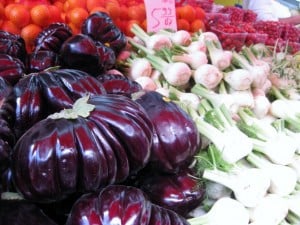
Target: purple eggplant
{"points": [[52, 37], [6, 181], [59, 157], [180, 192], [40, 94], [80, 52], [13, 45], [11, 68], [100, 27], [107, 57], [120, 204], [7, 136], [41, 60], [176, 138], [119, 84]]}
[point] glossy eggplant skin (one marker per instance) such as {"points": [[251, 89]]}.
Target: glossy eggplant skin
{"points": [[119, 84], [13, 45], [11, 68], [126, 204], [59, 157], [100, 27], [40, 94], [164, 216], [41, 60], [6, 182], [52, 37], [80, 52], [7, 137], [122, 204], [16, 212], [176, 138], [107, 56], [180, 192]]}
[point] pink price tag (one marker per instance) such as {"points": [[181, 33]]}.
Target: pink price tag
{"points": [[161, 14]]}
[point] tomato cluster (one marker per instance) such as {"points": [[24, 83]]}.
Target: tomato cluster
{"points": [[28, 17]]}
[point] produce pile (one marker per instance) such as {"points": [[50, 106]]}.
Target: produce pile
{"points": [[237, 27], [28, 17], [154, 128]]}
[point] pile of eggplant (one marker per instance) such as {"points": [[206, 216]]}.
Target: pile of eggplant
{"points": [[81, 145]]}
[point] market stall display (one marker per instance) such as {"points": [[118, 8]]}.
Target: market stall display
{"points": [[104, 122]]}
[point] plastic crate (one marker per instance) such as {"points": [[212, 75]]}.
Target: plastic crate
{"points": [[274, 29], [255, 38], [212, 19], [231, 41]]}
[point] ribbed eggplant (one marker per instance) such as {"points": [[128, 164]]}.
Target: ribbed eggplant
{"points": [[100, 27], [120, 204], [41, 60], [13, 45], [52, 37], [11, 68], [40, 94], [180, 192], [119, 84], [16, 212], [86, 151], [7, 137], [176, 139]]}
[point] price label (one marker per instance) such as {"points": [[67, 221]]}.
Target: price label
{"points": [[161, 14]]}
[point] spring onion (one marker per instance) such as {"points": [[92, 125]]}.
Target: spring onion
{"points": [[271, 210], [179, 37], [187, 98], [218, 57], [228, 139], [155, 41], [276, 145], [216, 190], [262, 103], [249, 185], [239, 79], [147, 83], [283, 178], [194, 59], [175, 73], [225, 211], [139, 67], [208, 75], [258, 72]]}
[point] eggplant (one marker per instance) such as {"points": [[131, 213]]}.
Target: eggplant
{"points": [[41, 60], [52, 37], [6, 181], [119, 84], [100, 27], [13, 45], [163, 216], [176, 138], [16, 212], [11, 68], [58, 156], [120, 204], [181, 192], [7, 136], [107, 57], [80, 52], [40, 94]]}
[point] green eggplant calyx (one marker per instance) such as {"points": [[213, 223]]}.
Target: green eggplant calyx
{"points": [[80, 108]]}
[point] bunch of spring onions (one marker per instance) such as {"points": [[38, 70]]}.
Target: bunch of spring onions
{"points": [[247, 116]]}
